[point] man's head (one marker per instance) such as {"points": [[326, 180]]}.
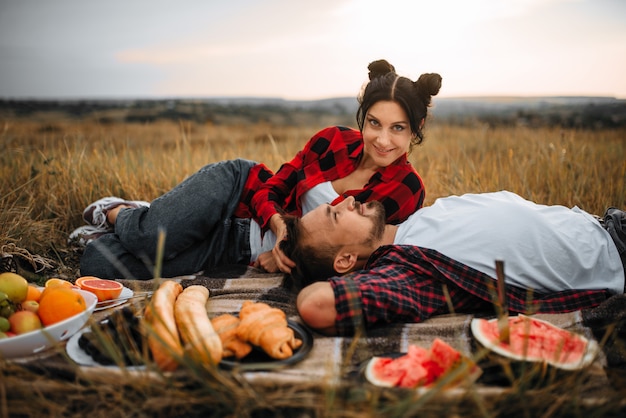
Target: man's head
{"points": [[332, 240]]}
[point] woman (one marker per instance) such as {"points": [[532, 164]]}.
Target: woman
{"points": [[229, 212]]}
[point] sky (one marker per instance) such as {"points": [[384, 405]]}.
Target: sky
{"points": [[308, 50]]}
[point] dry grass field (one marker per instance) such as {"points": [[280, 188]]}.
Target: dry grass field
{"points": [[52, 167]]}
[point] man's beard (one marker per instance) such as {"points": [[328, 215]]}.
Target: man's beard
{"points": [[379, 221]]}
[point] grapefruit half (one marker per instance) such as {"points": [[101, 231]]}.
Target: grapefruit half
{"points": [[103, 289]]}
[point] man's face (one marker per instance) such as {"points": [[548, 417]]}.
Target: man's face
{"points": [[347, 224]]}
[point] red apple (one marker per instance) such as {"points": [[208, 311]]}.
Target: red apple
{"points": [[24, 321]]}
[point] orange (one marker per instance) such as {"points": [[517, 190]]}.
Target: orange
{"points": [[103, 289], [58, 303], [33, 293], [57, 282]]}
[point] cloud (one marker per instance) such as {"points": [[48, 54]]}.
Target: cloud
{"points": [[259, 28], [304, 49]]}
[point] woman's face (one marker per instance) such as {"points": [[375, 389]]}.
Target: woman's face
{"points": [[386, 133]]}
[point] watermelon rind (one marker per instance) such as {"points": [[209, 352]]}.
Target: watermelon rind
{"points": [[371, 376], [462, 373], [589, 355]]}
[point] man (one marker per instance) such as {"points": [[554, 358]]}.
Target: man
{"points": [[443, 257]]}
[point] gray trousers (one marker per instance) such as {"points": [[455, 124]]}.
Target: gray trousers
{"points": [[614, 221], [197, 218]]}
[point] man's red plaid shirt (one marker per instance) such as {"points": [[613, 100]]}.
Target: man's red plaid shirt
{"points": [[404, 283]]}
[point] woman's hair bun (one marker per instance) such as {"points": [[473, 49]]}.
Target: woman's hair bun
{"points": [[428, 84], [379, 68]]}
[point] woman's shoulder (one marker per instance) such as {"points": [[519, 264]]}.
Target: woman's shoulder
{"points": [[339, 132], [336, 138]]}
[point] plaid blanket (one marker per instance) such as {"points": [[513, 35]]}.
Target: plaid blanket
{"points": [[339, 361], [334, 360]]}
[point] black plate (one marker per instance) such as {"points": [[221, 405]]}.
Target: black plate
{"points": [[259, 360], [256, 360]]}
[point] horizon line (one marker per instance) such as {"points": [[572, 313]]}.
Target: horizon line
{"points": [[277, 98]]}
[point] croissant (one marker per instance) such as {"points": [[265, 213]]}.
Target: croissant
{"points": [[226, 327], [266, 327]]}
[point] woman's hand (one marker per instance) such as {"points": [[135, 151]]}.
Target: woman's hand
{"points": [[266, 262], [284, 263]]}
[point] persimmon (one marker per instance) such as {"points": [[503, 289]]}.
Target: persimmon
{"points": [[58, 303]]}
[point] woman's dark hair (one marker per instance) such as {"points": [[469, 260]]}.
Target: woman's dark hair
{"points": [[413, 96], [313, 264]]}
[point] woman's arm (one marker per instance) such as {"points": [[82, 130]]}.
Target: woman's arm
{"points": [[282, 191], [324, 157], [274, 193]]}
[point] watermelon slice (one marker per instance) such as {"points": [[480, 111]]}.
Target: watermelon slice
{"points": [[420, 367], [535, 340], [443, 354]]}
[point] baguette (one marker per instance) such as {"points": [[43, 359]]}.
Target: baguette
{"points": [[200, 339], [226, 327], [162, 333]]}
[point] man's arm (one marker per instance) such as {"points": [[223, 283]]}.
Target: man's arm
{"points": [[316, 306]]}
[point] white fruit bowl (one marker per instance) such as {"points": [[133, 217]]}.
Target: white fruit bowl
{"points": [[37, 341]]}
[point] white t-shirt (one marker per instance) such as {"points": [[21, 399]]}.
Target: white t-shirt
{"points": [[546, 248], [320, 194]]}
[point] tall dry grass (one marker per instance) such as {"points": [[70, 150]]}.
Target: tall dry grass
{"points": [[547, 165], [51, 170]]}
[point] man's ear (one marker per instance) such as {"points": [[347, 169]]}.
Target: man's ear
{"points": [[345, 262]]}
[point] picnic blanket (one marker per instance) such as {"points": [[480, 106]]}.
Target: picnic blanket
{"points": [[337, 360]]}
